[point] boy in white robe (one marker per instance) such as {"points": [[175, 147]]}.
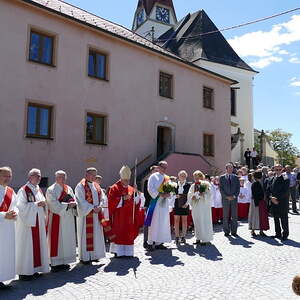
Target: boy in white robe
{"points": [[31, 241], [8, 216], [89, 196], [159, 231], [61, 226]]}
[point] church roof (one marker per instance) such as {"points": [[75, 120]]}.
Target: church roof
{"points": [[88, 19], [148, 4], [186, 41]]}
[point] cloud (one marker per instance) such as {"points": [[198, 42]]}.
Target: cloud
{"points": [[264, 62], [294, 60], [295, 81], [297, 94], [268, 44]]}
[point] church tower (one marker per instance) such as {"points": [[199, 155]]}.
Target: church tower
{"points": [[153, 18]]}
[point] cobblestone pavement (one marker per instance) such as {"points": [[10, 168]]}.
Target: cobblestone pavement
{"points": [[231, 268]]}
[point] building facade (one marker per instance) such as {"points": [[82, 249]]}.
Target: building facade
{"points": [[188, 39], [80, 91]]}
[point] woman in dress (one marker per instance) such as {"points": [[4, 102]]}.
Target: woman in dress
{"points": [[180, 210], [199, 198], [258, 214]]}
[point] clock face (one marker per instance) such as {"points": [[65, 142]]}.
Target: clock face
{"points": [[163, 14], [140, 17]]}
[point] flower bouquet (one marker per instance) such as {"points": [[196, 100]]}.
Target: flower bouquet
{"points": [[201, 188], [169, 187]]}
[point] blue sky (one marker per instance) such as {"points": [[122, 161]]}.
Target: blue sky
{"points": [[271, 47]]}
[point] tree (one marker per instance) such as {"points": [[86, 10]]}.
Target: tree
{"points": [[281, 142]]}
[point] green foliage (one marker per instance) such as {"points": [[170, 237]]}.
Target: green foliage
{"points": [[281, 142]]}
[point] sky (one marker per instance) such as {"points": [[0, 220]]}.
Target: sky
{"points": [[271, 47]]}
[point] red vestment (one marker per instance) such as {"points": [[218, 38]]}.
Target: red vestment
{"points": [[125, 218]]}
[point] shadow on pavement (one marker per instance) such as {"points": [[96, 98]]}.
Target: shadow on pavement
{"points": [[164, 257], [122, 266], [209, 252], [49, 281], [239, 241], [291, 243]]}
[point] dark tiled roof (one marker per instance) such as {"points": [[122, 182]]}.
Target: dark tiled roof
{"points": [[148, 4], [79, 15], [212, 47]]}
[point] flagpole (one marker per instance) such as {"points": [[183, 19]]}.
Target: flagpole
{"points": [[134, 185]]}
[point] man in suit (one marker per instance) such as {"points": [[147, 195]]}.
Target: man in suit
{"points": [[278, 191], [148, 198], [230, 190], [247, 156]]}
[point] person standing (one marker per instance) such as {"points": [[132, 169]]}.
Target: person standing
{"points": [[230, 190], [217, 209], [181, 212], [32, 249], [157, 218], [153, 169], [124, 209], [254, 157], [8, 217], [293, 187], [199, 198], [61, 225], [247, 156], [278, 191], [258, 215], [91, 244]]}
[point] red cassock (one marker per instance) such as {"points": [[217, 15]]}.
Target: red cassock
{"points": [[125, 217]]}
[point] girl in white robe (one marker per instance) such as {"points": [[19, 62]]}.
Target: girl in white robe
{"points": [[201, 210]]}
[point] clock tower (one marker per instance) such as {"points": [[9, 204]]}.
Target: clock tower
{"points": [[153, 18]]}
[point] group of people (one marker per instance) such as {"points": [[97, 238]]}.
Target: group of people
{"points": [[40, 233]]}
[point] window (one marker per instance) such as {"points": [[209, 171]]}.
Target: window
{"points": [[96, 129], [41, 48], [39, 121], [165, 85], [208, 145], [233, 102], [208, 98], [97, 66]]}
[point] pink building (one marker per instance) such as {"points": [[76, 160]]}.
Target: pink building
{"points": [[79, 91]]}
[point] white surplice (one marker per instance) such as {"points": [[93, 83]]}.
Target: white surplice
{"points": [[83, 209], [7, 238], [201, 212], [160, 230], [67, 237], [244, 196], [27, 213], [217, 197]]}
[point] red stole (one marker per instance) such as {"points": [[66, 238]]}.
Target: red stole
{"points": [[37, 261], [7, 200], [55, 226], [89, 218]]}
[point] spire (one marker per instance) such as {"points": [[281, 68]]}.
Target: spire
{"points": [[149, 4]]}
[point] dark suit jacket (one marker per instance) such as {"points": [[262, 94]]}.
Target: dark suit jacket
{"points": [[247, 155], [228, 188], [146, 194], [258, 193], [279, 187]]}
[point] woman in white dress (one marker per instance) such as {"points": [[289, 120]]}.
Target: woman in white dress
{"points": [[199, 198]]}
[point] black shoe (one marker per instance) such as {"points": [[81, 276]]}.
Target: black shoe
{"points": [[4, 287], [235, 234], [253, 234], [26, 277], [226, 234], [55, 269], [85, 262], [183, 240], [177, 242], [262, 234], [37, 275], [95, 260], [296, 212], [275, 236], [284, 238], [197, 242], [161, 247], [145, 245]]}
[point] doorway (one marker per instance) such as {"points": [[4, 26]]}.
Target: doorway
{"points": [[164, 140]]}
